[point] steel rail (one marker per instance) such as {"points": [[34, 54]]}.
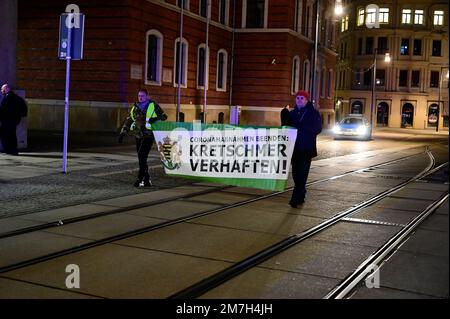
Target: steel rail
{"points": [[146, 229], [221, 277], [67, 221], [353, 279]]}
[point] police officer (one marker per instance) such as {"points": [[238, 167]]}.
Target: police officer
{"points": [[307, 120], [139, 122]]}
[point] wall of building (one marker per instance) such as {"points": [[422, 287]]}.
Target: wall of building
{"points": [[421, 97], [106, 81]]}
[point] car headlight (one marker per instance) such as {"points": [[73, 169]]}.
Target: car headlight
{"points": [[336, 129], [361, 130]]}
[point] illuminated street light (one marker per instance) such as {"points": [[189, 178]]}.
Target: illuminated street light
{"points": [[338, 9]]}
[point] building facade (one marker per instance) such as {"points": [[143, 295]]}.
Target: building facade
{"points": [[411, 91], [254, 54]]}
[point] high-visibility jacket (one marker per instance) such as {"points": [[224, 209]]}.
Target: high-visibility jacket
{"points": [[149, 115], [140, 122]]}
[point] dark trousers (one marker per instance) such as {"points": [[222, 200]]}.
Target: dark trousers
{"points": [[300, 170], [9, 139], [143, 147]]}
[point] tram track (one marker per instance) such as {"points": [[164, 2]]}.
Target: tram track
{"points": [[377, 257], [171, 222], [62, 222], [209, 283]]}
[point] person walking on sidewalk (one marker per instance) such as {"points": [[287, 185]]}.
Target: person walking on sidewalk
{"points": [[308, 122], [139, 122], [12, 109]]}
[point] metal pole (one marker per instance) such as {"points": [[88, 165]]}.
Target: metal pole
{"points": [[372, 104], [205, 77], [439, 101], [66, 99], [180, 49], [232, 56], [316, 43]]}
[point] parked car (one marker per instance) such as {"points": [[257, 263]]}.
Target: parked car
{"points": [[353, 126]]}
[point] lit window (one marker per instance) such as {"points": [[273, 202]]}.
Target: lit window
{"points": [[384, 15], [438, 18], [371, 16], [360, 17], [418, 17], [406, 16], [344, 24]]}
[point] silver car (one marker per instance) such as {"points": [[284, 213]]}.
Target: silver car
{"points": [[353, 126]]}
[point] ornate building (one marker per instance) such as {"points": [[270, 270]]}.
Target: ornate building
{"points": [[412, 89], [254, 54]]}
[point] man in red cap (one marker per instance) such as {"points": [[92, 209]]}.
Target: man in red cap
{"points": [[308, 122]]}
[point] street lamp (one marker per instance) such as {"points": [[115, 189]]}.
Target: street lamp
{"points": [[439, 101], [387, 59]]}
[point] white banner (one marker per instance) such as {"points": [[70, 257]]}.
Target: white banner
{"points": [[235, 155]]}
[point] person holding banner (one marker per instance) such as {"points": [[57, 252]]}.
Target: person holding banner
{"points": [[308, 122], [139, 122]]}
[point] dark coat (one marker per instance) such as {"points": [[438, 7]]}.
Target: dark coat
{"points": [[284, 116], [308, 123], [12, 109]]}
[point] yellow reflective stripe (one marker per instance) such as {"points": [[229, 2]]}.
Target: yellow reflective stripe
{"points": [[132, 113]]}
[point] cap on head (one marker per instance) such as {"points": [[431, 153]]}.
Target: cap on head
{"points": [[303, 93]]}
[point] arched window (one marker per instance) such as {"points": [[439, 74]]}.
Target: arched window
{"points": [[202, 67], [323, 82], [222, 67], [306, 75], [433, 114], [295, 81], [181, 62], [153, 57], [330, 83]]}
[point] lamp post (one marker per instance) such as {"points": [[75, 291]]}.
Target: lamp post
{"points": [[439, 101], [387, 59]]}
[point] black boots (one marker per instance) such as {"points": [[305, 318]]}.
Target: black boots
{"points": [[143, 181]]}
